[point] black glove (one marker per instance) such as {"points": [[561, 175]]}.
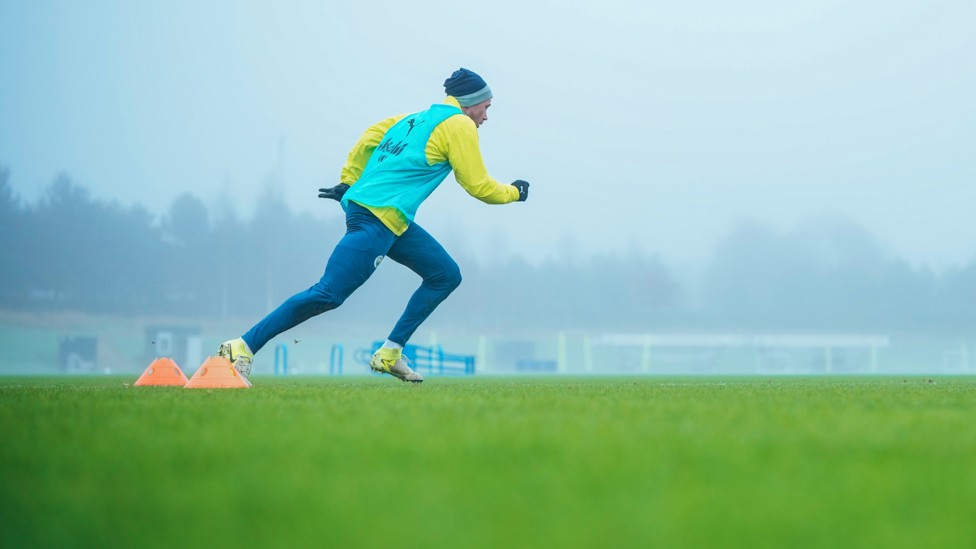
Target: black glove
{"points": [[335, 193], [523, 188]]}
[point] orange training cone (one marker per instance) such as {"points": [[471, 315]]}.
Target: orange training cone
{"points": [[162, 371], [217, 373]]}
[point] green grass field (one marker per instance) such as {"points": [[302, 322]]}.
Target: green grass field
{"points": [[490, 462]]}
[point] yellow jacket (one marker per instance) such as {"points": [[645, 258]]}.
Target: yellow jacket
{"points": [[454, 140]]}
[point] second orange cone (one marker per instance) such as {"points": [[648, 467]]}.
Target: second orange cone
{"points": [[217, 373]]}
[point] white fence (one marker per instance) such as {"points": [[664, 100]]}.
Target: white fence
{"points": [[741, 353]]}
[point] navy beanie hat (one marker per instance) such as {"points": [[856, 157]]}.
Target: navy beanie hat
{"points": [[467, 87]]}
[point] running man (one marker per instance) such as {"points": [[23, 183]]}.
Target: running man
{"points": [[394, 167]]}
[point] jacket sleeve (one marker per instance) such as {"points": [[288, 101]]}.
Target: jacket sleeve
{"points": [[458, 138], [363, 149]]}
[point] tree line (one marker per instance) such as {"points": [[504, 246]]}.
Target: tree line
{"points": [[73, 252]]}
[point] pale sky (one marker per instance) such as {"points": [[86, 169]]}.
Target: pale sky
{"points": [[650, 124]]}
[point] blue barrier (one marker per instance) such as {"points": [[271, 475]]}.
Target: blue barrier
{"points": [[281, 360], [430, 360], [335, 360]]}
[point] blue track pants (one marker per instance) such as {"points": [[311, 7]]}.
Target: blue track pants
{"points": [[354, 259]]}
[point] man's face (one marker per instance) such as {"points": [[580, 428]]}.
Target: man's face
{"points": [[478, 113]]}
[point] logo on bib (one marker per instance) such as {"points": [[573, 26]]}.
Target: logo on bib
{"points": [[413, 122], [376, 262]]}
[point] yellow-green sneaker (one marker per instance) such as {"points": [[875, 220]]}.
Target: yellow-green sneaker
{"points": [[239, 354], [392, 361]]}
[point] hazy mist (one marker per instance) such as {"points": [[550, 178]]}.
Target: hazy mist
{"points": [[699, 167]]}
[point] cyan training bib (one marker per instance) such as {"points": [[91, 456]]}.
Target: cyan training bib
{"points": [[397, 174]]}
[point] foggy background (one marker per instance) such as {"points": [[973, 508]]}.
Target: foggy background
{"points": [[703, 167]]}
